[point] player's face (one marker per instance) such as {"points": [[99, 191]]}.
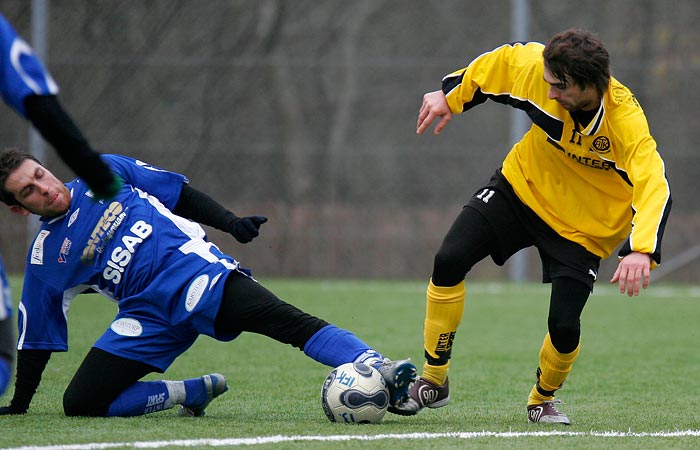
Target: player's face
{"points": [[38, 190], [569, 95]]}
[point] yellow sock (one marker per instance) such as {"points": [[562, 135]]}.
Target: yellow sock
{"points": [[554, 367], [443, 314], [435, 374]]}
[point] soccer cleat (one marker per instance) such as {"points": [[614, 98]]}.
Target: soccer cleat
{"points": [[398, 376], [546, 412], [214, 385], [423, 394]]}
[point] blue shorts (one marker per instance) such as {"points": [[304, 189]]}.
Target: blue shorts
{"points": [[155, 331]]}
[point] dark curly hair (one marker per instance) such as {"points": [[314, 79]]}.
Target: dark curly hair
{"points": [[10, 160], [579, 56]]}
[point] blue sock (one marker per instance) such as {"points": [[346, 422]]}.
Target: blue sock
{"points": [[4, 375], [195, 392], [142, 397], [334, 346]]}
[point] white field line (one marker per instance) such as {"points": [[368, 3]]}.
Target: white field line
{"points": [[260, 440]]}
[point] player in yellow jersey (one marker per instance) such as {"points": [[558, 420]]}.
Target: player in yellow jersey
{"points": [[586, 177]]}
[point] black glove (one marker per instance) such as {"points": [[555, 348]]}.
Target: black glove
{"points": [[30, 366], [245, 229], [10, 410], [103, 183]]}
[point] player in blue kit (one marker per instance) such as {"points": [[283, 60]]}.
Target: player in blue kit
{"points": [[172, 285]]}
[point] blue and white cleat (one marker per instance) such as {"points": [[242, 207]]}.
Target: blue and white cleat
{"points": [[399, 375], [214, 385]]}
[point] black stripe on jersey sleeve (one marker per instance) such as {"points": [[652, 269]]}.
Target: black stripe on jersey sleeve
{"points": [[623, 175], [660, 232], [451, 82], [553, 127], [626, 248]]}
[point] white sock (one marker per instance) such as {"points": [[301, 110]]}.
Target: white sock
{"points": [[371, 358], [176, 391]]}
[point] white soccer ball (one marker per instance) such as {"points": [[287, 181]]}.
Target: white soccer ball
{"points": [[355, 393]]}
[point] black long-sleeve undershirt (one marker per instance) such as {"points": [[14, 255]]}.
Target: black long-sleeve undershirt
{"points": [[200, 207], [55, 125]]}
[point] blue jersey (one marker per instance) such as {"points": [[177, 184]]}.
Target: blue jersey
{"points": [[5, 294], [21, 72], [157, 266]]}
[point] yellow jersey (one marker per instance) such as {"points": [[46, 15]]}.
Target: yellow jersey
{"points": [[597, 185]]}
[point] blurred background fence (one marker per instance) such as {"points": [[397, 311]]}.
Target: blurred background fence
{"points": [[305, 111]]}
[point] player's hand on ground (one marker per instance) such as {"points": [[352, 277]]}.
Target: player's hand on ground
{"points": [[245, 229], [633, 273], [434, 105]]}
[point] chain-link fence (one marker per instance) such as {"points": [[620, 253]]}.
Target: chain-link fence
{"points": [[305, 112]]}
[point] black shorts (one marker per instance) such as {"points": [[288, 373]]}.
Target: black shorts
{"points": [[516, 227]]}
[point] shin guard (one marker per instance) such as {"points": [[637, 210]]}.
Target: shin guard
{"points": [[553, 370], [443, 314]]}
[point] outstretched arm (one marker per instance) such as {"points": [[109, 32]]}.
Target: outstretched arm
{"points": [[200, 207], [633, 273], [51, 120], [30, 90], [434, 106]]}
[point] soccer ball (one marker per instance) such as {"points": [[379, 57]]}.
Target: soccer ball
{"points": [[355, 393]]}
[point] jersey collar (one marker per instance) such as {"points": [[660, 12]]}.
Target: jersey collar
{"points": [[595, 123]]}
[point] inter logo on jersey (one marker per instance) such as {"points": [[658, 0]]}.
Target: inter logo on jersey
{"points": [[601, 145]]}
